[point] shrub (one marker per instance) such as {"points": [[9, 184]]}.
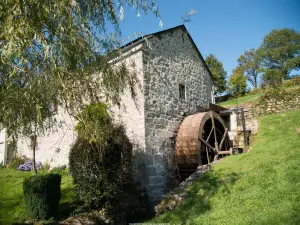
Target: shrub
{"points": [[60, 170], [100, 163], [42, 195], [17, 161], [45, 167], [255, 91], [292, 82], [100, 171]]}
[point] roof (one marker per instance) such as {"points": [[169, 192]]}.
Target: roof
{"points": [[182, 27]]}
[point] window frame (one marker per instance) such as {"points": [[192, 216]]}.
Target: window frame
{"points": [[182, 91]]}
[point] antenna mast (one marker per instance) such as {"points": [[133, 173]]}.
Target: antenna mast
{"points": [[187, 17]]}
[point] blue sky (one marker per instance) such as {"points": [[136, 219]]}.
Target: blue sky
{"points": [[225, 28]]}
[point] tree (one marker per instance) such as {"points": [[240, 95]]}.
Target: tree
{"points": [[50, 53], [249, 62], [237, 82], [218, 72], [280, 51], [271, 78]]}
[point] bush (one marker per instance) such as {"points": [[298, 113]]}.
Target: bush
{"points": [[45, 167], [100, 163], [292, 82], [42, 195], [60, 170], [255, 91], [99, 172], [17, 161]]}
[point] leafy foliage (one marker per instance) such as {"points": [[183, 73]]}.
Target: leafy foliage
{"points": [[94, 122], [52, 55], [272, 78], [100, 163], [250, 63], [280, 52], [100, 171], [42, 195], [62, 170], [17, 160], [237, 82], [218, 72], [295, 81]]}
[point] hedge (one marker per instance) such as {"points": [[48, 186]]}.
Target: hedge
{"points": [[42, 195]]}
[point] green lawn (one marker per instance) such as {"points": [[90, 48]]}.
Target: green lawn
{"points": [[240, 100], [258, 187], [11, 196]]}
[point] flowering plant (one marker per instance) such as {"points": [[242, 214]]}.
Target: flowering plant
{"points": [[27, 166]]}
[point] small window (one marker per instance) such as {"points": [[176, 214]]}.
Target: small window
{"points": [[182, 91]]}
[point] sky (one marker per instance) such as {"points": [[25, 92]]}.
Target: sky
{"points": [[225, 28]]}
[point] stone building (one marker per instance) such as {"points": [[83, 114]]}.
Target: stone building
{"points": [[174, 82]]}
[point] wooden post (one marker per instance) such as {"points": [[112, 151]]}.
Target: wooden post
{"points": [[223, 139], [244, 126], [215, 133], [208, 161]]}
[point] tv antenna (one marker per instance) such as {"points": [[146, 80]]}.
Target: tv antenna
{"points": [[187, 17]]}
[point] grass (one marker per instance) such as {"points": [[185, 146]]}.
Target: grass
{"points": [[241, 100], [12, 209], [258, 187]]}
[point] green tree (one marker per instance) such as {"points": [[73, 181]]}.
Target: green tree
{"points": [[250, 63], [237, 82], [280, 51], [50, 53], [218, 72]]}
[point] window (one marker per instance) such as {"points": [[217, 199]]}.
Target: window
{"points": [[182, 91]]}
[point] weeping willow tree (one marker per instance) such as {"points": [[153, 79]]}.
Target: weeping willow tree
{"points": [[51, 55]]}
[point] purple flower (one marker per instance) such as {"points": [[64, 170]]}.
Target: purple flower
{"points": [[27, 166]]}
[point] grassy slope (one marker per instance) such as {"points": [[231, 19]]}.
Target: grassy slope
{"points": [[12, 207], [258, 187], [240, 100]]}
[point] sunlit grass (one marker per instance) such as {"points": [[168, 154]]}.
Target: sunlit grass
{"points": [[258, 187], [240, 100], [12, 207]]}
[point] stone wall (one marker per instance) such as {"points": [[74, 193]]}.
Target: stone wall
{"points": [[274, 101], [170, 59]]}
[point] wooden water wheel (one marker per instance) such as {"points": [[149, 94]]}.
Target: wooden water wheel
{"points": [[202, 138]]}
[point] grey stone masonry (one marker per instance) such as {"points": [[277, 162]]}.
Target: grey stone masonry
{"points": [[170, 59]]}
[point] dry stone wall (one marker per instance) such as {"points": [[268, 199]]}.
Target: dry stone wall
{"points": [[272, 102], [170, 60], [275, 102]]}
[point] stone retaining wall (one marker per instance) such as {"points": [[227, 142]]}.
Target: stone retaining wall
{"points": [[276, 102]]}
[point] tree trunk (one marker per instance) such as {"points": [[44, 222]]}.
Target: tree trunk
{"points": [[33, 146]]}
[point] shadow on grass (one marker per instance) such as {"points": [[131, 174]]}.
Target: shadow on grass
{"points": [[198, 195], [66, 208]]}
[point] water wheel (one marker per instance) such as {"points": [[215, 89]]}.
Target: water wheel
{"points": [[202, 138]]}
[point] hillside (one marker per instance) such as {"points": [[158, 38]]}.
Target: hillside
{"points": [[241, 100], [258, 187]]}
